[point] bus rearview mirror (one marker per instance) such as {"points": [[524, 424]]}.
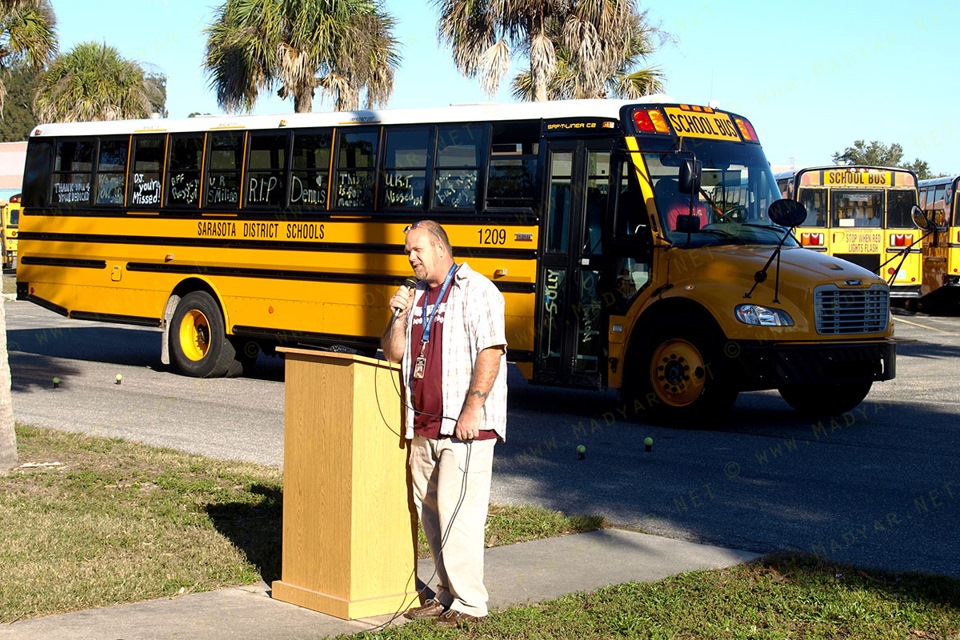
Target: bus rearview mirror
{"points": [[787, 213], [690, 175], [920, 219]]}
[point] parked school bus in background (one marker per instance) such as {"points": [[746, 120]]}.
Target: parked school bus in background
{"points": [[941, 255], [11, 222], [236, 234], [861, 214]]}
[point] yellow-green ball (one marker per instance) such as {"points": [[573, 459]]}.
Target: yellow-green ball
{"points": [[648, 441], [581, 448]]}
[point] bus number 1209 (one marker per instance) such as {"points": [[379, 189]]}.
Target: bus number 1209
{"points": [[493, 236]]}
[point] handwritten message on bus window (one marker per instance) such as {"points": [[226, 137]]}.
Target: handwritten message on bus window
{"points": [[265, 188], [72, 192], [355, 189], [110, 189], [404, 190], [184, 189], [223, 189], [456, 189], [145, 190], [311, 190]]}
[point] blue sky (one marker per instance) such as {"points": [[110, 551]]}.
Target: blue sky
{"points": [[813, 77]]}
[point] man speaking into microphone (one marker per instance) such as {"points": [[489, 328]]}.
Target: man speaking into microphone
{"points": [[448, 333]]}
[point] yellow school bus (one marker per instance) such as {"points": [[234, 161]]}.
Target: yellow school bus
{"points": [[236, 234], [941, 255], [11, 222], [862, 214]]}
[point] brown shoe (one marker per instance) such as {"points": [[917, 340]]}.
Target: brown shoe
{"points": [[430, 609], [453, 619]]}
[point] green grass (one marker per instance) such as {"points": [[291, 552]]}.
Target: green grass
{"points": [[89, 522], [779, 597], [9, 284]]}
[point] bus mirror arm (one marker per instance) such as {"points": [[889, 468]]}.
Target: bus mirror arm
{"points": [[902, 254], [761, 276]]}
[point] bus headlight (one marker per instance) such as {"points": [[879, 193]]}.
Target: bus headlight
{"points": [[763, 316]]}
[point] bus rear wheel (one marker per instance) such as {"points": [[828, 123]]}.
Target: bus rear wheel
{"points": [[824, 400], [679, 376], [198, 341]]}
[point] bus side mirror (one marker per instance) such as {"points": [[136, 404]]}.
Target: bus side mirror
{"points": [[920, 219], [689, 178], [787, 213]]}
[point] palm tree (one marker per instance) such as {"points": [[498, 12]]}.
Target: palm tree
{"points": [[342, 47], [593, 38], [599, 77], [94, 82], [27, 32]]}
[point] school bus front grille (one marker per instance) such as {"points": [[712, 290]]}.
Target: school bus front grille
{"points": [[851, 311]]}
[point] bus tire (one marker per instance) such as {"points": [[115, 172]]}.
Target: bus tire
{"points": [[198, 342], [679, 376], [825, 400], [247, 351]]}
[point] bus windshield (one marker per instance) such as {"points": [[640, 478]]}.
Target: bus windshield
{"points": [[736, 190]]}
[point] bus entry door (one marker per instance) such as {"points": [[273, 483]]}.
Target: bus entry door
{"points": [[570, 331]]}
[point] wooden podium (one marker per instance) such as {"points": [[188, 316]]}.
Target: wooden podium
{"points": [[349, 532]]}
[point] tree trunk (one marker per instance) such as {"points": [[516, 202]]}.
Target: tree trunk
{"points": [[8, 437], [303, 100]]}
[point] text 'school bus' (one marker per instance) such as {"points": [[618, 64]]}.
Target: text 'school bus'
{"points": [[861, 214], [941, 251], [11, 222], [236, 234]]}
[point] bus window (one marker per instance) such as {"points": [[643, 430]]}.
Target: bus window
{"points": [[513, 165], [558, 208], [183, 170], [405, 167], [356, 162], [112, 171], [267, 170], [815, 202], [458, 166], [598, 187], [225, 157], [856, 209], [310, 180], [899, 207], [144, 182], [71, 180]]}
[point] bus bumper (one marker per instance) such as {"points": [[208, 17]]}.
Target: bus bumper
{"points": [[770, 366]]}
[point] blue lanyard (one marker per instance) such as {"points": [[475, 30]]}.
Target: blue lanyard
{"points": [[428, 322]]}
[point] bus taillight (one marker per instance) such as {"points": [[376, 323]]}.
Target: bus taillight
{"points": [[650, 121], [811, 239], [899, 239]]}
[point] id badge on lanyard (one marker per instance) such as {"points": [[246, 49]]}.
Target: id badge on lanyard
{"points": [[420, 364]]}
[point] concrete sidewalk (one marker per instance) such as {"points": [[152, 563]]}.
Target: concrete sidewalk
{"points": [[517, 574]]}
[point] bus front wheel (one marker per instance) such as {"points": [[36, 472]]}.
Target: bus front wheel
{"points": [[198, 341], [824, 400], [679, 375]]}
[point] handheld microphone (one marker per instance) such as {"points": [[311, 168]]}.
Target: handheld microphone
{"points": [[411, 284]]}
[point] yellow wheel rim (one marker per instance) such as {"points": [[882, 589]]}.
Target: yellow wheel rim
{"points": [[195, 335], [678, 372]]}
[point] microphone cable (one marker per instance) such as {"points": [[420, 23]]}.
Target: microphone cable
{"points": [[456, 510]]}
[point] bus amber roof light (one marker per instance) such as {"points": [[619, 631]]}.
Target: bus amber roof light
{"points": [[658, 120]]}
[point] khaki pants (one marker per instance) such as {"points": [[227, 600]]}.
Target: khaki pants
{"points": [[437, 469]]}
